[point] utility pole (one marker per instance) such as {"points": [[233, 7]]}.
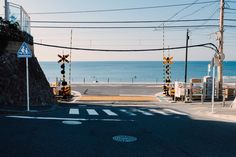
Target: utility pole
{"points": [[186, 64], [70, 62], [6, 11], [220, 48]]}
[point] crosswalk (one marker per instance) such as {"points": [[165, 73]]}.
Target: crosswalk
{"points": [[128, 112]]}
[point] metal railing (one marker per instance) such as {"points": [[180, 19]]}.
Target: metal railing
{"points": [[16, 13]]}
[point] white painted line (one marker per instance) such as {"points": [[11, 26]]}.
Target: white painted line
{"points": [[92, 112], [159, 112], [109, 112], [71, 122], [74, 111], [175, 112], [68, 119], [145, 112], [127, 112]]}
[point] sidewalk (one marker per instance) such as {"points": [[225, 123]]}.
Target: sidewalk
{"points": [[199, 110], [22, 109]]}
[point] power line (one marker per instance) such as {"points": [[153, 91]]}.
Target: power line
{"points": [[230, 13], [196, 11], [230, 8], [208, 45], [204, 23], [230, 1], [148, 21], [183, 9], [122, 9], [130, 27]]}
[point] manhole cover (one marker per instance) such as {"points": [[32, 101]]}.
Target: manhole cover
{"points": [[71, 122], [124, 138]]}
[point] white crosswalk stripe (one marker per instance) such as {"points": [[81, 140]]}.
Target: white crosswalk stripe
{"points": [[145, 112], [127, 112], [74, 111], [159, 112], [174, 112], [92, 112], [109, 112], [130, 112]]}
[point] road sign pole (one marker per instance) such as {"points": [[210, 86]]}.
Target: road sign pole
{"points": [[27, 83]]}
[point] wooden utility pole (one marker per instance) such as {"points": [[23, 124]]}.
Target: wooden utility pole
{"points": [[220, 48]]}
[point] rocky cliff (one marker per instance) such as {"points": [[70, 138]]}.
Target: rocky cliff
{"points": [[13, 79]]}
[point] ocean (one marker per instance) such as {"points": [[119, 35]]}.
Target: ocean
{"points": [[126, 72]]}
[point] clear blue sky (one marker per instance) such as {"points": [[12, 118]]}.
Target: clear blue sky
{"points": [[127, 38]]}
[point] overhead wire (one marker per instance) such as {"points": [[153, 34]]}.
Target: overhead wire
{"points": [[209, 45], [129, 27], [122, 9], [204, 23], [196, 11], [143, 21], [173, 16]]}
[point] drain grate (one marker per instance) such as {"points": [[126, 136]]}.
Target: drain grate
{"points": [[124, 138]]}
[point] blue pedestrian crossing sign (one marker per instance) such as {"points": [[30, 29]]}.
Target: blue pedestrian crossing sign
{"points": [[24, 51]]}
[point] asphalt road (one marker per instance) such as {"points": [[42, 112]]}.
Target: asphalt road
{"points": [[118, 89], [157, 132]]}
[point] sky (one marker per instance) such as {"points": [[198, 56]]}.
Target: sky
{"points": [[128, 38]]}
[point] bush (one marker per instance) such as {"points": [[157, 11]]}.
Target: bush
{"points": [[11, 32]]}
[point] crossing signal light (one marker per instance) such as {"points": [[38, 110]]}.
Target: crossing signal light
{"points": [[63, 68], [168, 69], [64, 83]]}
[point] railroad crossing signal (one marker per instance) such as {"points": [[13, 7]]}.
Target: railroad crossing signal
{"points": [[167, 60], [65, 91], [63, 68], [63, 58]]}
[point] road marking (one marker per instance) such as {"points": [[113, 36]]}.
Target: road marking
{"points": [[92, 112], [68, 119], [127, 112], [159, 112], [175, 112], [109, 112], [74, 111], [145, 112], [71, 122]]}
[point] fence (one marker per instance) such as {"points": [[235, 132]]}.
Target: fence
{"points": [[16, 13]]}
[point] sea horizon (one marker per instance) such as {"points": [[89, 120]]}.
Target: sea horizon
{"points": [[128, 72]]}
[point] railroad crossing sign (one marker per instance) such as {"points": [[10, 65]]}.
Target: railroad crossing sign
{"points": [[167, 60], [63, 58], [24, 51]]}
